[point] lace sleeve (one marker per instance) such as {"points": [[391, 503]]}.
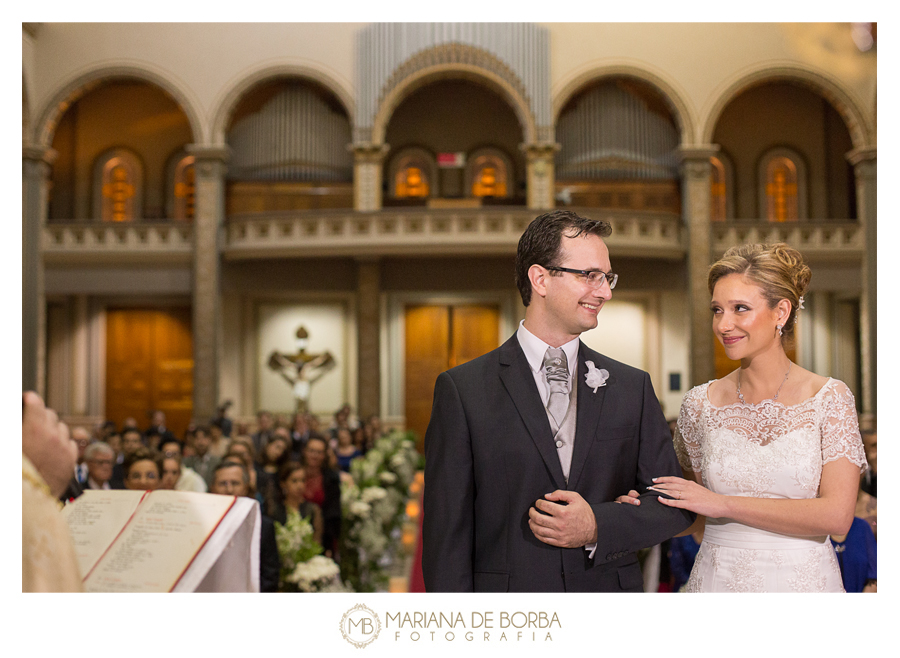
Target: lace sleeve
{"points": [[689, 429], [840, 428]]}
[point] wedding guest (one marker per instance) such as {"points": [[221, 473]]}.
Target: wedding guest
{"points": [[682, 553], [114, 440], [143, 470], [157, 425], [264, 427], [218, 443], [299, 434], [222, 420], [346, 451], [273, 455], [242, 449], [48, 457], [82, 439], [100, 459], [323, 487], [132, 440], [78, 481], [171, 471], [290, 499], [202, 461], [232, 478], [857, 557], [188, 479]]}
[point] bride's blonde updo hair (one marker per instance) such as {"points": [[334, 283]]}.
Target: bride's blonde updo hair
{"points": [[778, 270]]}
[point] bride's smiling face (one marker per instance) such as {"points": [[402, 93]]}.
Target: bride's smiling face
{"points": [[742, 319]]}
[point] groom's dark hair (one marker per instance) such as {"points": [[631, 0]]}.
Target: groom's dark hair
{"points": [[541, 242]]}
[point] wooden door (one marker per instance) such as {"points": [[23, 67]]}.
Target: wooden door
{"points": [[149, 365], [439, 338]]}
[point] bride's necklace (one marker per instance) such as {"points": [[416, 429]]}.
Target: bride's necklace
{"points": [[774, 397]]}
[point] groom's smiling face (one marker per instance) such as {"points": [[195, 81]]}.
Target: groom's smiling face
{"points": [[572, 305]]}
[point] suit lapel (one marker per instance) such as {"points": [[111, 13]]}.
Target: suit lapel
{"points": [[519, 382], [589, 406]]}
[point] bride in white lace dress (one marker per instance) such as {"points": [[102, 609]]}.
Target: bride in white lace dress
{"points": [[771, 453]]}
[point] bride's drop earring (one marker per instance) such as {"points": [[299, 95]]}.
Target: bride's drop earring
{"points": [[779, 327]]}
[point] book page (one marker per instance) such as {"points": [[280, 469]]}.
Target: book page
{"points": [[159, 543], [95, 519]]}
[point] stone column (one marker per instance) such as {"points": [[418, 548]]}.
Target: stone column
{"points": [[864, 161], [367, 166], [36, 162], [696, 177], [209, 215], [540, 177], [368, 324], [81, 346]]}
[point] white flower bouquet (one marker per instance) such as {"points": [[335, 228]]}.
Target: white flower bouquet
{"points": [[374, 509]]}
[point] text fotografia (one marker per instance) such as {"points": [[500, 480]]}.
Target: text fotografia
{"points": [[479, 626]]}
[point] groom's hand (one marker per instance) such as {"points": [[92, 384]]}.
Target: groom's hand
{"points": [[570, 525]]}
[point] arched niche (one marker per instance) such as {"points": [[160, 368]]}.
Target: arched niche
{"points": [[287, 128], [668, 91], [779, 117], [408, 83], [861, 130], [118, 183], [125, 113], [457, 115], [231, 98], [73, 90]]}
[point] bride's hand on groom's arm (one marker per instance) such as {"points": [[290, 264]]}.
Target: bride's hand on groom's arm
{"points": [[689, 495]]}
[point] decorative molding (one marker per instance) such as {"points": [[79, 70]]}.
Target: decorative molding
{"points": [[838, 241], [120, 242], [430, 231]]}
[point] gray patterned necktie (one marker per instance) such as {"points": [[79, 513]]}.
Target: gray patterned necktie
{"points": [[556, 368]]}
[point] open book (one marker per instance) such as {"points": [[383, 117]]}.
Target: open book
{"points": [[165, 541]]}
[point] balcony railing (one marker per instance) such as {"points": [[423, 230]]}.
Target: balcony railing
{"points": [[108, 242], [430, 230], [832, 240], [408, 231]]}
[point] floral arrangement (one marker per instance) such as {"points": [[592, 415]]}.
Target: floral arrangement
{"points": [[303, 568], [374, 508]]}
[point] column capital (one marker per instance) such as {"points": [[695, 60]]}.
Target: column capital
{"points": [[39, 154], [538, 150], [697, 152], [368, 152], [209, 151], [862, 155]]}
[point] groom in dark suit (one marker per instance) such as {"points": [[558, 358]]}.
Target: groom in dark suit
{"points": [[529, 445]]}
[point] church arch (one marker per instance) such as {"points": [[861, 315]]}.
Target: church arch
{"points": [[674, 99], [861, 132], [421, 77], [225, 107], [76, 88]]}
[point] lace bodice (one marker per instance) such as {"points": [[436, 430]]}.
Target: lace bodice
{"points": [[768, 450]]}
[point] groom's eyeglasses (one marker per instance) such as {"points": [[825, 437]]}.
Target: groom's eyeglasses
{"points": [[594, 278]]}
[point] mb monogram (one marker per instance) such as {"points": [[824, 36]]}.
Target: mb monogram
{"points": [[360, 626]]}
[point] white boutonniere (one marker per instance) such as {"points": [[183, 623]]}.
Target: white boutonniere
{"points": [[595, 378]]}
